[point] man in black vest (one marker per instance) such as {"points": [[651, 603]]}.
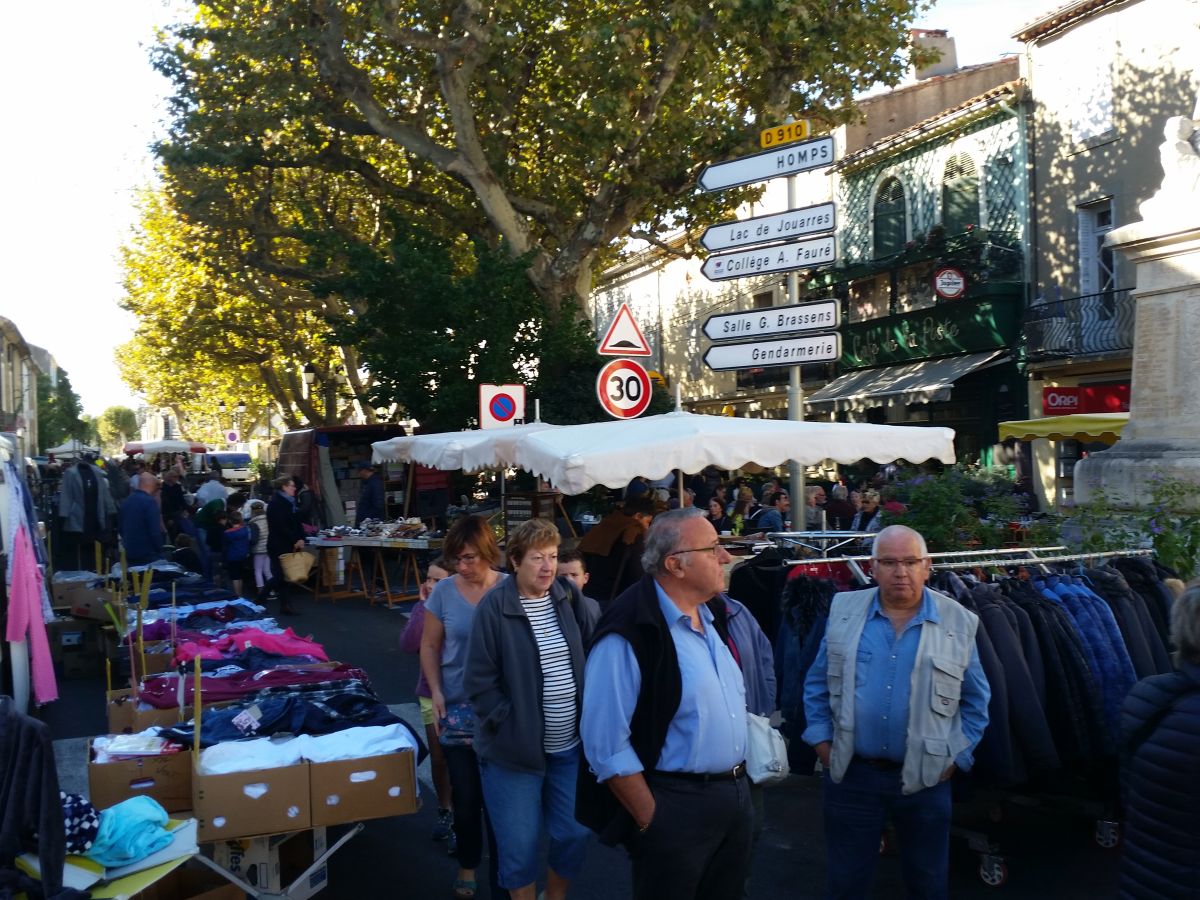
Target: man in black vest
{"points": [[664, 722]]}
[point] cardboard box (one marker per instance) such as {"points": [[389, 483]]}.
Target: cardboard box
{"points": [[373, 787], [273, 863], [193, 881], [125, 717], [81, 665], [87, 603], [245, 804], [168, 779], [68, 635]]}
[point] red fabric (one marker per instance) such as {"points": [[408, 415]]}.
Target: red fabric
{"points": [[161, 691], [286, 644]]}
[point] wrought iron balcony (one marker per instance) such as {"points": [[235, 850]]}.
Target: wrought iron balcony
{"points": [[1079, 326]]}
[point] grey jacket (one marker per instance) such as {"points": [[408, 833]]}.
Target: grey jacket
{"points": [[70, 501], [503, 676], [756, 658]]}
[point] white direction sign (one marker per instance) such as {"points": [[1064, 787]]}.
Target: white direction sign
{"points": [[790, 160], [794, 351], [776, 258], [823, 315], [763, 229]]}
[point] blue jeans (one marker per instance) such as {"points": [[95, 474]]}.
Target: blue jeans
{"points": [[519, 803], [855, 814]]}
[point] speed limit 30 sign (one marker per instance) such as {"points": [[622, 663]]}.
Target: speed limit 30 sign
{"points": [[623, 387]]}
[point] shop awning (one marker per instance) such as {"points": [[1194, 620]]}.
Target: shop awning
{"points": [[1102, 427], [921, 382]]}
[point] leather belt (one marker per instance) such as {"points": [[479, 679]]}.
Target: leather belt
{"points": [[733, 774], [883, 765]]}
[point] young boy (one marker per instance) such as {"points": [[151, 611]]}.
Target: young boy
{"points": [[235, 551], [571, 564]]}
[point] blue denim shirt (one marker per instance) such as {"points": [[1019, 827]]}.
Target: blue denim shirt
{"points": [[883, 682], [708, 732]]}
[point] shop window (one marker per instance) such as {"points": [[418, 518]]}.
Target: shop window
{"points": [[960, 194], [890, 219]]}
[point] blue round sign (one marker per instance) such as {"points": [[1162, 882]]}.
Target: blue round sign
{"points": [[502, 407]]}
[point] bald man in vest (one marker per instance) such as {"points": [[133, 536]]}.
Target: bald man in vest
{"points": [[896, 702]]}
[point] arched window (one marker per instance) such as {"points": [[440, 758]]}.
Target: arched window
{"points": [[890, 228], [960, 194]]}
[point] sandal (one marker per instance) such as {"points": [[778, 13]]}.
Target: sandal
{"points": [[464, 889]]}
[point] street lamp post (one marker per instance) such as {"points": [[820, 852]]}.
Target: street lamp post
{"points": [[330, 383]]}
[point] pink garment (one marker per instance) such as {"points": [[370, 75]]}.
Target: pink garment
{"points": [[25, 616], [286, 644], [161, 691]]}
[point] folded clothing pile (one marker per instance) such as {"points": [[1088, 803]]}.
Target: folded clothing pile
{"points": [[268, 753]]}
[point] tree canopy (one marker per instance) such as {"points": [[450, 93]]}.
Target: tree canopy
{"points": [[116, 425], [351, 184], [59, 411], [552, 129]]}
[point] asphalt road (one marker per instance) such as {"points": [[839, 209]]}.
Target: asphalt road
{"points": [[1046, 853]]}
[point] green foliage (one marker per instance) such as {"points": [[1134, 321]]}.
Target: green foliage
{"points": [[1169, 522], [964, 506], [59, 410], [115, 426]]}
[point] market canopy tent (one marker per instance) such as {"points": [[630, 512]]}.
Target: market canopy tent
{"points": [[1100, 427], [71, 449], [575, 458], [452, 450], [133, 448]]}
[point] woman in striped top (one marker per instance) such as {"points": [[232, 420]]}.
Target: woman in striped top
{"points": [[524, 677]]}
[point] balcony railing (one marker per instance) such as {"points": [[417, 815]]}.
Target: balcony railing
{"points": [[1079, 326]]}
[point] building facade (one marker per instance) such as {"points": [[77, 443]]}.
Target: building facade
{"points": [[18, 389], [1104, 77]]}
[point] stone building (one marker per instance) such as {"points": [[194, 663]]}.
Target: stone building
{"points": [[18, 388]]}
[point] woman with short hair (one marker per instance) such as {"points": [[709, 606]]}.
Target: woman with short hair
{"points": [[525, 679]]}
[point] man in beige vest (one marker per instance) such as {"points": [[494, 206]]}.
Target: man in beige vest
{"points": [[896, 701]]}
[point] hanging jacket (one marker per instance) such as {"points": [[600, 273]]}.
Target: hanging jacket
{"points": [[1120, 599], [758, 583], [1161, 782], [1142, 576]]}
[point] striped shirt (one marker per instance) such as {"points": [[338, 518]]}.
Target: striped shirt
{"points": [[560, 702]]}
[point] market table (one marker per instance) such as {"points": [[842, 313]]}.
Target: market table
{"points": [[407, 547]]}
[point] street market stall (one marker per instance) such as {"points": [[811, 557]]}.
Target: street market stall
{"points": [[71, 449], [575, 458]]}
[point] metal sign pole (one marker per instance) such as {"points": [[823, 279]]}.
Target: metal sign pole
{"points": [[795, 386]]}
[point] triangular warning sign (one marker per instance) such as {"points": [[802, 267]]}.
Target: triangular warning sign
{"points": [[623, 337]]}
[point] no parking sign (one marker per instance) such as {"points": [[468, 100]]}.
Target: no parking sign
{"points": [[501, 405]]}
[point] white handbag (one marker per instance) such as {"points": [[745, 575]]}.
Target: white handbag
{"points": [[766, 751]]}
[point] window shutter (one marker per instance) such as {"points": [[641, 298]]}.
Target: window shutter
{"points": [[1087, 252]]}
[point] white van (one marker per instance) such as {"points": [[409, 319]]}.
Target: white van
{"points": [[236, 467]]}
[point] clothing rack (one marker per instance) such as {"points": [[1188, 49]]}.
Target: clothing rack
{"points": [[802, 539], [951, 560]]}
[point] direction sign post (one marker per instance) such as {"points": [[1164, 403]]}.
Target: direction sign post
{"points": [[790, 160], [806, 254], [764, 229], [823, 315], [623, 388], [793, 351]]}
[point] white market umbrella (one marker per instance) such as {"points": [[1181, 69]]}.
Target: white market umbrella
{"points": [[71, 449], [133, 448], [575, 458], [452, 450]]}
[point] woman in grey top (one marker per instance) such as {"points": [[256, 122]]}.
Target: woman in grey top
{"points": [[470, 547], [524, 676]]}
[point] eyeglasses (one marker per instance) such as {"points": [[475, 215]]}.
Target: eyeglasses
{"points": [[467, 558], [713, 550], [899, 563]]}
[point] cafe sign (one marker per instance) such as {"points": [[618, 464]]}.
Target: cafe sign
{"points": [[928, 333]]}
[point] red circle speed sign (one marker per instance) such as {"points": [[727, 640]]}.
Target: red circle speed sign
{"points": [[623, 388]]}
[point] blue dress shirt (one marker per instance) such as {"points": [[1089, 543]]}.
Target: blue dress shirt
{"points": [[882, 688], [708, 732]]}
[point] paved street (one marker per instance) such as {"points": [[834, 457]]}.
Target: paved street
{"points": [[1048, 855]]}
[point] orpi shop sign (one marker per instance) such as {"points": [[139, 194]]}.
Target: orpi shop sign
{"points": [[1088, 398], [1060, 401]]}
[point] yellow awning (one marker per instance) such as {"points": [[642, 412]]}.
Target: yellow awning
{"points": [[1105, 427]]}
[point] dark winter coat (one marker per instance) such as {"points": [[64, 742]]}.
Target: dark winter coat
{"points": [[1161, 782]]}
